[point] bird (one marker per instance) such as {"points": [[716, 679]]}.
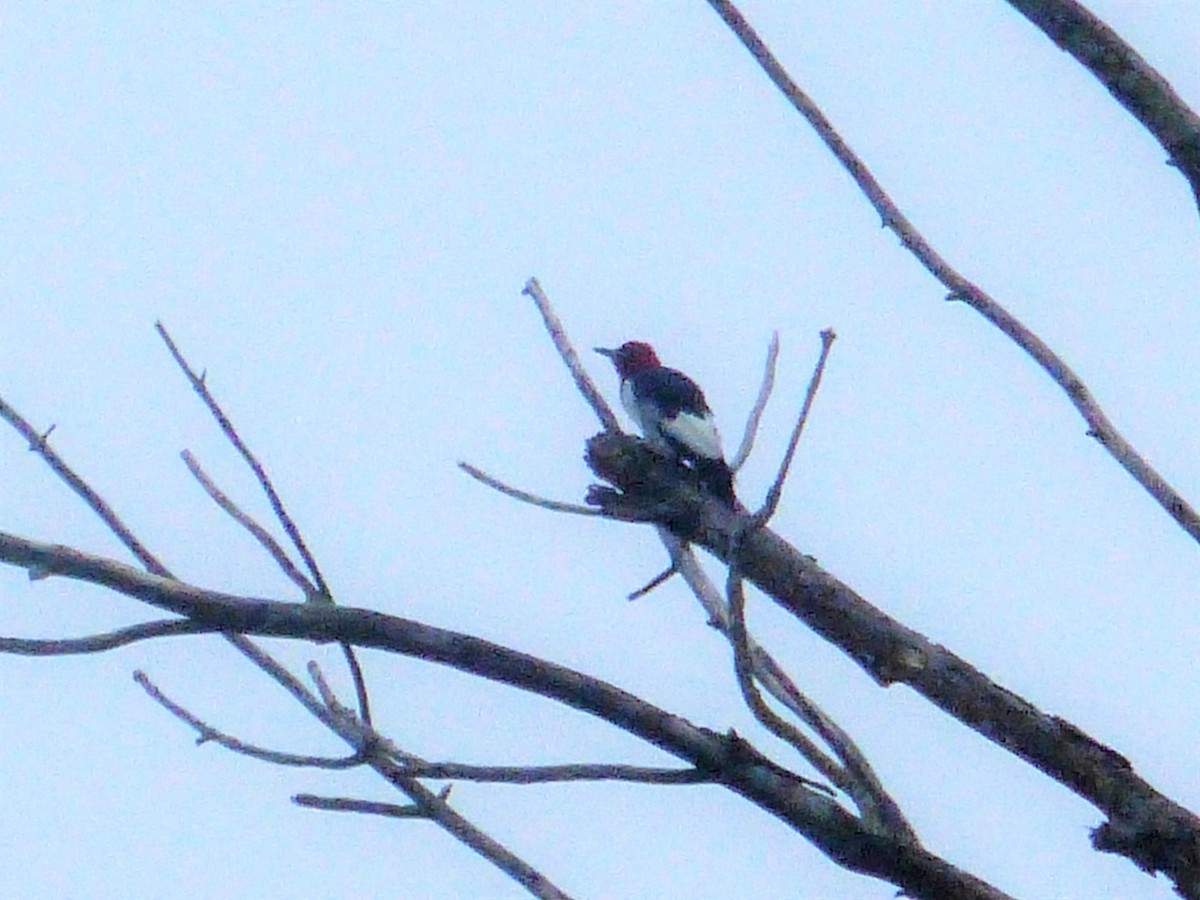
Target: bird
{"points": [[672, 414]]}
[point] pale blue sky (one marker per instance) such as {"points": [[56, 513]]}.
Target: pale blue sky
{"points": [[334, 208]]}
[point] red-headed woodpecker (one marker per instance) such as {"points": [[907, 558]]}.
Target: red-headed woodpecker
{"points": [[672, 414]]}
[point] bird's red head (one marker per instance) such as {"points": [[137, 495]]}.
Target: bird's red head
{"points": [[631, 357]]}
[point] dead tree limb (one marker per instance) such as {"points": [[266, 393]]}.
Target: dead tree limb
{"points": [[1135, 84], [1143, 825], [734, 763], [1098, 424]]}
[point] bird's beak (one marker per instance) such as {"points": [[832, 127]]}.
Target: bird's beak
{"points": [[604, 351]]}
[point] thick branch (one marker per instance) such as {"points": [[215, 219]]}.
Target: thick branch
{"points": [[1134, 83], [567, 772], [734, 763], [1144, 825]]}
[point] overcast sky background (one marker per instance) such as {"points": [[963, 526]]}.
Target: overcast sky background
{"points": [[334, 208]]}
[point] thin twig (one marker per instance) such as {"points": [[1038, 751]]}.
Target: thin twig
{"points": [[437, 808], [856, 776], [327, 694], [566, 350], [259, 533], [231, 434], [98, 643], [371, 807], [853, 774], [776, 491], [359, 681], [207, 733], [760, 404], [525, 496], [373, 747], [39, 444], [744, 668], [264, 480], [1099, 426]]}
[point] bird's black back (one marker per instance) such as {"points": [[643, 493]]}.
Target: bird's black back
{"points": [[673, 392]]}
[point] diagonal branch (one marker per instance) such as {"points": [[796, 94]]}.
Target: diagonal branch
{"points": [[1134, 83], [231, 434], [743, 662], [264, 480], [360, 735], [851, 772], [558, 335], [1099, 426], [39, 444], [259, 533], [1143, 824], [773, 495]]}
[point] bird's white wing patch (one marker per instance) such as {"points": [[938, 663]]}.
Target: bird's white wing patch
{"points": [[698, 433]]}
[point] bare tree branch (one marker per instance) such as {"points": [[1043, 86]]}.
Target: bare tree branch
{"points": [[741, 768], [854, 774], [1099, 426], [455, 824], [558, 335], [1143, 824], [39, 444], [661, 578], [743, 661], [98, 643], [281, 514], [1134, 83], [208, 733], [526, 497], [567, 772], [857, 778], [361, 736], [201, 388], [772, 502], [760, 404], [345, 804], [259, 533]]}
